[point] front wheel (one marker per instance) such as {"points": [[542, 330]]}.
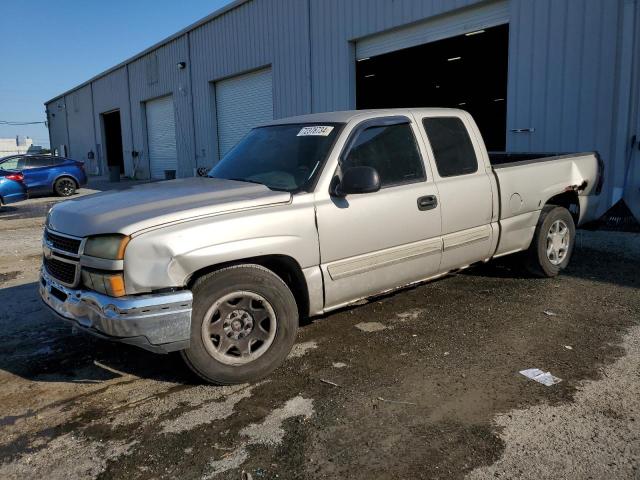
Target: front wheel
{"points": [[64, 187], [552, 243], [243, 324]]}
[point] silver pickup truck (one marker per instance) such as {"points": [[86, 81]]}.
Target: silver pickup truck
{"points": [[305, 215]]}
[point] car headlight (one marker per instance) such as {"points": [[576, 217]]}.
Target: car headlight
{"points": [[110, 247]]}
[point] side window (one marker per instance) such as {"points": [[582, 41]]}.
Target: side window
{"points": [[36, 162], [451, 146], [392, 150], [13, 163]]}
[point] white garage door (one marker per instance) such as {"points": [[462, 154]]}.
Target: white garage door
{"points": [[451, 25], [161, 135], [242, 103]]}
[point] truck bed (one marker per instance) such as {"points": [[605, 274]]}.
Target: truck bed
{"points": [[527, 180], [508, 159]]}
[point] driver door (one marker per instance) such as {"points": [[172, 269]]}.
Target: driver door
{"points": [[377, 241]]}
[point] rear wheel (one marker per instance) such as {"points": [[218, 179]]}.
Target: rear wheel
{"points": [[552, 243], [243, 325], [64, 187]]}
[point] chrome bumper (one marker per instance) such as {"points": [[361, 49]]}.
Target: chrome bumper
{"points": [[160, 323]]}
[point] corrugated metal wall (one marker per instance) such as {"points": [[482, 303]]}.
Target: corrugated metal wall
{"points": [[157, 75], [568, 73], [111, 92], [565, 85], [632, 188], [57, 118], [255, 35], [80, 122]]}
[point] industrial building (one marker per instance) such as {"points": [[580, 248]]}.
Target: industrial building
{"points": [[538, 75]]}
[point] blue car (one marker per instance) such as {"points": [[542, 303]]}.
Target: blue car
{"points": [[46, 174], [12, 187]]}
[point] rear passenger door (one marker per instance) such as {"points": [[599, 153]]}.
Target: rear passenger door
{"points": [[37, 173], [377, 241], [466, 195]]}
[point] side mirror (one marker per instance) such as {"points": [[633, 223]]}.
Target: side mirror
{"points": [[358, 180]]}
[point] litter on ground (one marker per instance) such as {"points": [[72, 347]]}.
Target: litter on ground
{"points": [[539, 376], [329, 382]]}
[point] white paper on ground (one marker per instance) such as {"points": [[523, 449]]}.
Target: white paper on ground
{"points": [[539, 376]]}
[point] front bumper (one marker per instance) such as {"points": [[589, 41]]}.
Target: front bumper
{"points": [[160, 323]]}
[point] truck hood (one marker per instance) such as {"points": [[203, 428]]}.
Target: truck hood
{"points": [[132, 209]]}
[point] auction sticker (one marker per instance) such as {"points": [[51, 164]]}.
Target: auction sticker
{"points": [[315, 131]]}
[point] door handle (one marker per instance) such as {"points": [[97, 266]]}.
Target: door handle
{"points": [[427, 202]]}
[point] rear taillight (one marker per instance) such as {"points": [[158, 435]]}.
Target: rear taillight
{"points": [[18, 177]]}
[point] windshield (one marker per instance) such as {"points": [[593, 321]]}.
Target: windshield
{"points": [[281, 157]]}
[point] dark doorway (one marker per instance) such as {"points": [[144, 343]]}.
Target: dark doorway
{"points": [[468, 72], [113, 139]]}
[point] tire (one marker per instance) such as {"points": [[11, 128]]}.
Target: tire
{"points": [[550, 253], [65, 187], [217, 312]]}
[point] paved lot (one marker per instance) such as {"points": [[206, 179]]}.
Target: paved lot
{"points": [[434, 392]]}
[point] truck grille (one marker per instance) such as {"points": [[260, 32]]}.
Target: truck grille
{"points": [[63, 271], [65, 244]]}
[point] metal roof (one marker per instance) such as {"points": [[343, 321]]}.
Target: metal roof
{"points": [[193, 26]]}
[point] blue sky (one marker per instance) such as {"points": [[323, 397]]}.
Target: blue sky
{"points": [[50, 46]]}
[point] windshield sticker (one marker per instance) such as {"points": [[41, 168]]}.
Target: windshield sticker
{"points": [[315, 131]]}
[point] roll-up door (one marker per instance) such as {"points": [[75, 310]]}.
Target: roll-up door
{"points": [[242, 103], [446, 26], [161, 135]]}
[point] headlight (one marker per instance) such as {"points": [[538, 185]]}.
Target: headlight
{"points": [[110, 247]]}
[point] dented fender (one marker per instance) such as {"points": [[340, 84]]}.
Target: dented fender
{"points": [[168, 256]]}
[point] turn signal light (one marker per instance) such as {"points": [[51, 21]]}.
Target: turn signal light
{"points": [[114, 285], [111, 284]]}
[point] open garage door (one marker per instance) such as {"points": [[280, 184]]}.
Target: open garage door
{"points": [[242, 102], [161, 136], [464, 64], [113, 139]]}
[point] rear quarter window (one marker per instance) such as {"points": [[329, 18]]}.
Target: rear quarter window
{"points": [[451, 145]]}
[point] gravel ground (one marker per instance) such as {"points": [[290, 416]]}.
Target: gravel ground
{"points": [[420, 384]]}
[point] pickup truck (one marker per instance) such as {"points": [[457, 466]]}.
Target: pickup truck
{"points": [[305, 215]]}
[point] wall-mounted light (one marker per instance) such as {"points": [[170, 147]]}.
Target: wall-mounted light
{"points": [[181, 65], [473, 33], [453, 59]]}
